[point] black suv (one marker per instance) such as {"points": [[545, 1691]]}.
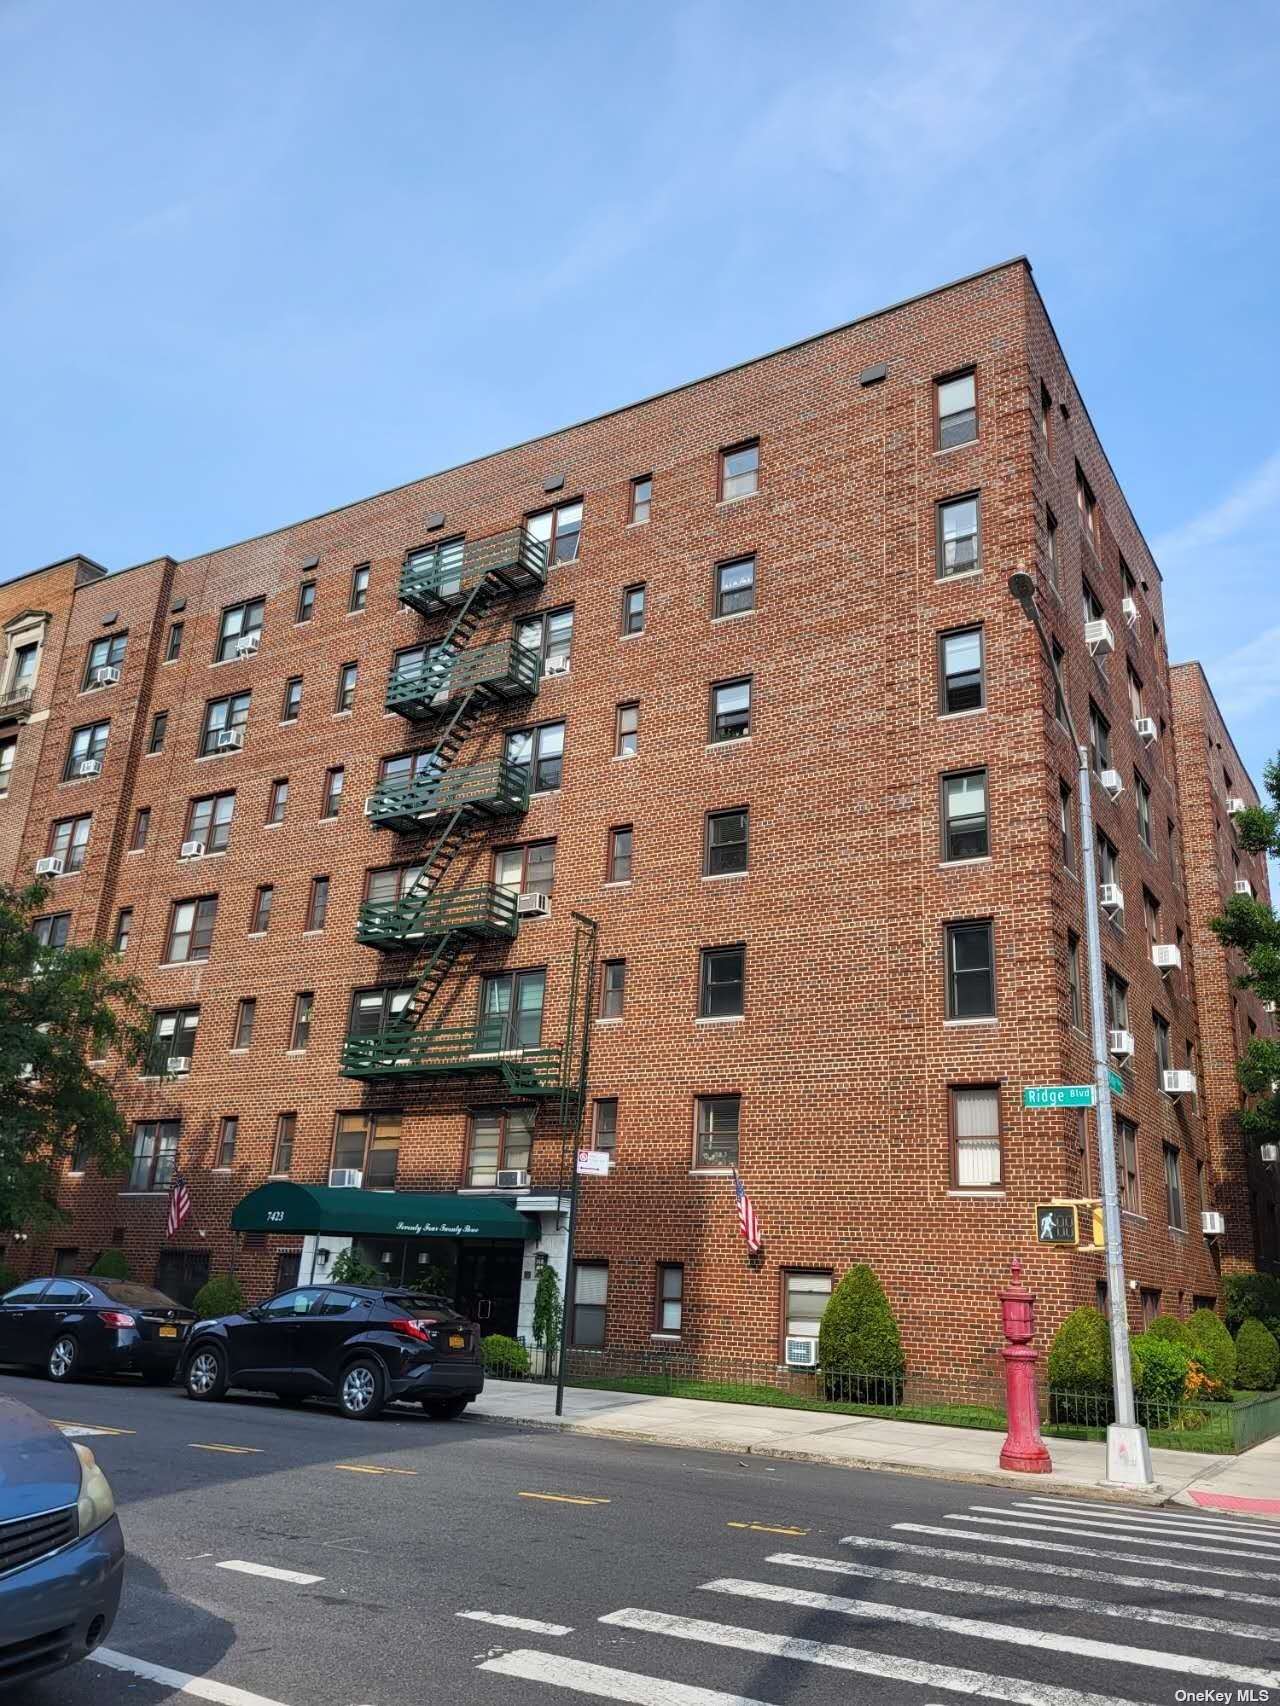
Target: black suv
{"points": [[362, 1345]]}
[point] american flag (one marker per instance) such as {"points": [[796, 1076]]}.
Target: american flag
{"points": [[179, 1206], [747, 1222]]}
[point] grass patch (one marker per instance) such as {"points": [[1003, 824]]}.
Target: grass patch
{"points": [[771, 1397]]}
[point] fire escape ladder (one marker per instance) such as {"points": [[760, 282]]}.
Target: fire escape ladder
{"points": [[442, 961]]}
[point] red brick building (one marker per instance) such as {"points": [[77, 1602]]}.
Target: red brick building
{"points": [[734, 674]]}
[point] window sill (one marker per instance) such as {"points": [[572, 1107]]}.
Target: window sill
{"points": [[608, 1021], [317, 931], [638, 635], [732, 503], [544, 793], [172, 965], [128, 853], [957, 864], [297, 1053], [733, 616], [222, 1169], [962, 1024], [617, 883], [950, 716], [199, 858], [950, 449], [160, 1193], [255, 935], [225, 752], [723, 1019], [623, 757], [711, 1172], [959, 575], [239, 1048], [976, 1193], [345, 713], [76, 1173], [724, 876], [279, 825], [158, 753], [728, 745], [666, 1338]]}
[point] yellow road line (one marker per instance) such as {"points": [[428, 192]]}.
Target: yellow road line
{"points": [[564, 1498], [97, 1427], [373, 1469], [239, 1450], [765, 1528]]}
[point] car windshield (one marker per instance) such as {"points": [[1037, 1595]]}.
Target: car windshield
{"points": [[134, 1295]]}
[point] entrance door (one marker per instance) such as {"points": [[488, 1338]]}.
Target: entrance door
{"points": [[489, 1285]]}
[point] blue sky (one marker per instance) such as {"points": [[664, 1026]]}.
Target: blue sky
{"points": [[259, 260]]}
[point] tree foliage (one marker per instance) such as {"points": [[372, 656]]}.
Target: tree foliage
{"points": [[1214, 1348], [221, 1295], [1257, 1357], [60, 1008], [350, 1269], [548, 1310], [858, 1333], [111, 1264]]}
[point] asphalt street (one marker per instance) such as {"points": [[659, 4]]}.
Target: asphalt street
{"points": [[285, 1555]]}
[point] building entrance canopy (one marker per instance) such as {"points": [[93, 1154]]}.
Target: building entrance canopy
{"points": [[282, 1206]]}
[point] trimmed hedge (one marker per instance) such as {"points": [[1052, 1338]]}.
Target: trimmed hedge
{"points": [[219, 1296], [507, 1358], [1162, 1365], [111, 1265], [1169, 1327], [1251, 1296], [1257, 1357], [858, 1333], [1080, 1355], [1213, 1347]]}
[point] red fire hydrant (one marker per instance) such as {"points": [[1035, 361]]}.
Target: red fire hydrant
{"points": [[1023, 1448]]}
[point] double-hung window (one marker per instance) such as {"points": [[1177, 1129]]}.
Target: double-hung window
{"points": [[1117, 999], [633, 598], [104, 654], [1108, 862], [511, 1011], [1087, 505], [1099, 740], [549, 636], [641, 498], [559, 529], [1164, 1052], [240, 630], [540, 751], [957, 409], [613, 989], [1173, 1188], [224, 721], [958, 549], [317, 904], [209, 820], [246, 1018], [52, 932], [359, 595], [191, 929], [740, 471], [620, 849], [1142, 802], [627, 732], [331, 799], [530, 869], [722, 983], [1074, 1000], [971, 972], [590, 1305], [735, 587], [369, 1144], [1127, 1165], [286, 1132], [730, 710], [159, 729], [278, 800], [975, 1136], [69, 840], [172, 1041], [716, 1129], [501, 1139], [306, 602], [374, 1011], [155, 1152], [300, 1032], [291, 706], [965, 833], [86, 752], [345, 697], [669, 1298], [961, 683], [260, 917], [604, 1123], [726, 844], [8, 754]]}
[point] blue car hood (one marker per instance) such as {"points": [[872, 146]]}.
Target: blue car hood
{"points": [[39, 1471]]}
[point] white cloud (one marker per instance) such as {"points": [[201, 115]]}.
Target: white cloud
{"points": [[1252, 501], [1247, 679]]}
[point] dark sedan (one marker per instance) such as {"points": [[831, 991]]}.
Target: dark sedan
{"points": [[75, 1324], [363, 1345], [61, 1550]]}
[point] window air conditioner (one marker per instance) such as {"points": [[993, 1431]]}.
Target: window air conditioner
{"points": [[1110, 897], [178, 1063], [1268, 1006], [51, 867], [512, 1179], [1166, 956], [229, 738], [106, 675], [533, 905], [345, 1178], [1146, 730], [556, 666], [89, 767], [1212, 1223], [1120, 1043], [1269, 1153], [1235, 804], [247, 644], [191, 850], [441, 695], [1112, 784], [1099, 638], [1129, 610], [1177, 1081], [370, 804], [802, 1353], [1244, 886]]}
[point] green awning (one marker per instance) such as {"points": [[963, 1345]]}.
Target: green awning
{"points": [[282, 1206]]}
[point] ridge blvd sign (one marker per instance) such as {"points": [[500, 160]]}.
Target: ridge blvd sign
{"points": [[1059, 1096]]}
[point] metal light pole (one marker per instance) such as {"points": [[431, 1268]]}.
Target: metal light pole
{"points": [[1128, 1453]]}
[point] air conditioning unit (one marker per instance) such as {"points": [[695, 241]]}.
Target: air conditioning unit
{"points": [[441, 695], [89, 767], [1212, 1224], [178, 1063], [1120, 1043], [1177, 1081], [247, 644], [191, 850], [512, 1179], [1244, 886], [51, 867], [1166, 956], [1234, 805], [1112, 783], [1111, 897], [106, 675], [533, 905], [1129, 610], [1268, 1006], [1099, 638], [370, 804], [228, 738], [802, 1353], [556, 666], [1269, 1153], [345, 1178], [1146, 729]]}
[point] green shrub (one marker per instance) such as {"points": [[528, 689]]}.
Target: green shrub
{"points": [[349, 1269], [111, 1265], [1251, 1296], [858, 1333], [1170, 1328], [8, 1279], [1257, 1357], [1080, 1355], [506, 1358], [219, 1296], [1163, 1365], [1213, 1347], [548, 1310]]}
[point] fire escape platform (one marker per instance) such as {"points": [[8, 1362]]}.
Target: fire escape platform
{"points": [[512, 561], [451, 1049], [485, 911]]}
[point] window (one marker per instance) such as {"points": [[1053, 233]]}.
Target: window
{"points": [[613, 989], [717, 1132], [1092, 608], [725, 846], [224, 721], [141, 829], [369, 1143], [155, 1150], [106, 653], [173, 1038], [619, 855], [730, 710], [962, 686], [1151, 916], [530, 869], [306, 602], [540, 751], [975, 1137], [739, 471], [500, 1139], [1051, 546], [957, 406], [958, 552], [68, 840], [1087, 505], [261, 915], [1173, 1189], [52, 932], [722, 983], [633, 609], [317, 904], [1108, 866], [964, 816], [1117, 999], [1164, 1055], [1046, 417], [246, 1016], [511, 1011], [559, 529], [124, 929], [604, 1123], [550, 636], [971, 979], [209, 820], [1099, 740], [1074, 1001], [1059, 703], [407, 767], [278, 800], [331, 799], [804, 1300], [159, 728], [87, 748], [286, 1131], [669, 1298], [1149, 1299], [641, 498], [300, 1034], [191, 929], [736, 586], [173, 645], [627, 736], [8, 753], [241, 629], [1135, 693], [359, 595], [1064, 823], [292, 703], [1127, 1159], [346, 694], [590, 1304], [227, 1134], [1142, 799]]}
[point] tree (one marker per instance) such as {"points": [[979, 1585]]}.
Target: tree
{"points": [[60, 1008], [350, 1269], [548, 1311], [1254, 929], [858, 1333], [111, 1264]]}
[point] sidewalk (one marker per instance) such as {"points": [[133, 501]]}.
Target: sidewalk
{"points": [[1249, 1483]]}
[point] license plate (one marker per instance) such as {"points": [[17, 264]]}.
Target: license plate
{"points": [[456, 1341], [168, 1332]]}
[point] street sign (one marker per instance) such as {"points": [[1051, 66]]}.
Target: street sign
{"points": [[593, 1161], [1059, 1096], [1117, 1083], [1056, 1223]]}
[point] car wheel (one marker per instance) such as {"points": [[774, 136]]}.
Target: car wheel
{"points": [[362, 1389], [64, 1356], [206, 1376], [445, 1409]]}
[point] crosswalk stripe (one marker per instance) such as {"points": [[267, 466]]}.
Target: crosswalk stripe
{"points": [[1194, 1522], [1176, 1619], [954, 1555], [1015, 1691], [1083, 1551], [608, 1683], [1153, 1523], [1128, 1535], [529, 1625], [1113, 1652]]}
